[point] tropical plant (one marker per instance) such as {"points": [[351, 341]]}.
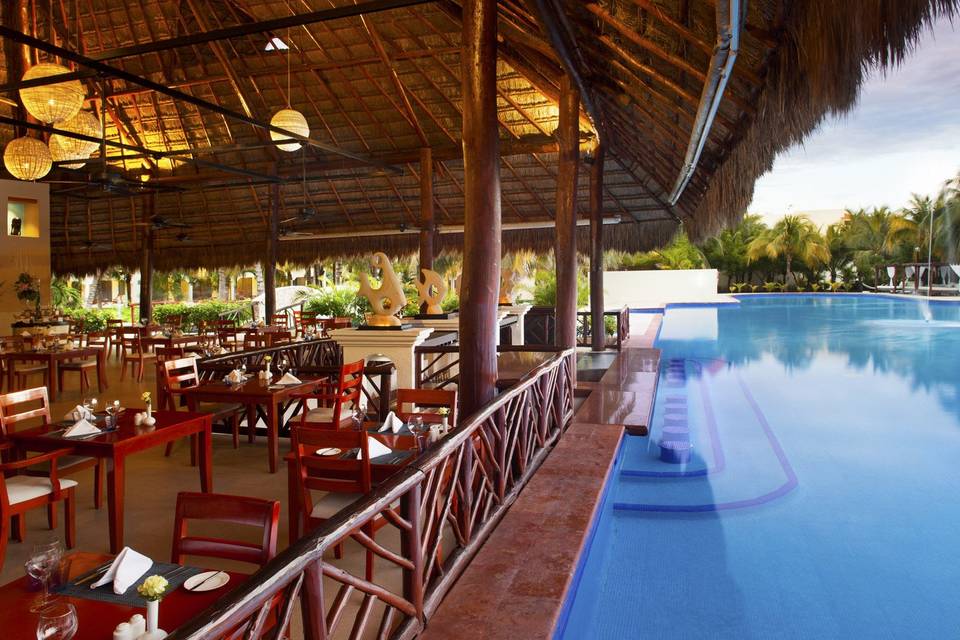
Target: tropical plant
{"points": [[63, 295], [793, 238], [93, 319], [545, 289]]}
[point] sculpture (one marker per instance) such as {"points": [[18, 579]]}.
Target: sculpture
{"points": [[432, 281], [387, 300], [508, 280]]}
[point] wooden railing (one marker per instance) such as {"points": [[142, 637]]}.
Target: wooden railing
{"points": [[450, 500], [438, 367], [621, 333]]}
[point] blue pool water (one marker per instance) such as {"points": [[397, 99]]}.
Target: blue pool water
{"points": [[822, 499]]}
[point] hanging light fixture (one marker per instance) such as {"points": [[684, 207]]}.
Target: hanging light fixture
{"points": [[84, 123], [52, 102], [289, 119], [27, 158], [59, 154]]}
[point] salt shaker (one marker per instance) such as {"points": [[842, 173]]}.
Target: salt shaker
{"points": [[138, 625], [124, 631]]}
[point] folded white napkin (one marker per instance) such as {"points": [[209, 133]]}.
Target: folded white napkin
{"points": [[25, 334], [289, 379], [79, 412], [235, 376], [392, 423], [375, 448], [81, 428], [128, 567]]}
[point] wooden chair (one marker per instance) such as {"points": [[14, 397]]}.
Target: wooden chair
{"points": [[182, 374], [336, 404], [344, 479], [165, 354], [133, 353], [115, 329], [302, 320], [76, 325], [420, 399], [229, 510], [256, 341], [279, 337], [279, 319], [12, 412], [173, 322], [80, 366], [99, 340], [23, 371], [228, 338], [21, 492]]}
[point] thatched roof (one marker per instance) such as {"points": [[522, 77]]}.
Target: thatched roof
{"points": [[388, 84]]}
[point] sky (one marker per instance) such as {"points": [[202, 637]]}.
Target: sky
{"points": [[903, 137]]}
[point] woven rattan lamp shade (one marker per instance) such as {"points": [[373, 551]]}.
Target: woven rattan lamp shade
{"points": [[84, 123], [52, 102], [59, 154], [291, 120], [27, 158]]}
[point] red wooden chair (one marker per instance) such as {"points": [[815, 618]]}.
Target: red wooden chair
{"points": [[115, 330], [133, 353], [344, 479], [228, 510], [279, 319], [336, 403], [21, 492], [420, 399], [182, 374], [12, 411]]}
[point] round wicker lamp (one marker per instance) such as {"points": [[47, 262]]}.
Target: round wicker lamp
{"points": [[291, 120], [27, 158], [84, 123], [59, 154], [52, 102]]}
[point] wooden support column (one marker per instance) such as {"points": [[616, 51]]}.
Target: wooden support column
{"points": [[427, 228], [270, 265], [480, 283], [598, 333], [146, 259], [565, 251]]}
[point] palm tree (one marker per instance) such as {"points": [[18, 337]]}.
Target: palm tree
{"points": [[837, 243], [877, 237], [727, 251], [792, 238]]}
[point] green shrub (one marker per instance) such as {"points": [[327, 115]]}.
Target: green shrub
{"points": [[450, 302], [338, 301], [202, 311], [836, 286], [545, 289], [93, 319], [772, 286]]}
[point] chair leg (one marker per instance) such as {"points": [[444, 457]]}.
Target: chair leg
{"points": [[98, 473], [84, 382], [235, 430], [123, 368], [19, 524], [52, 515], [168, 450], [140, 371], [4, 536], [70, 515], [60, 373], [194, 443]]}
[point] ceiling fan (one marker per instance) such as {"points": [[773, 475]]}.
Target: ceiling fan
{"points": [[305, 213], [159, 223]]}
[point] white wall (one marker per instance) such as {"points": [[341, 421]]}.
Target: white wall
{"points": [[20, 254], [637, 289]]}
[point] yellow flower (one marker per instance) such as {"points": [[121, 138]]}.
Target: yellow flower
{"points": [[145, 396], [153, 587], [443, 411], [267, 359]]}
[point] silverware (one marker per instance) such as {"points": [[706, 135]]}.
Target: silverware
{"points": [[204, 581], [173, 572], [93, 575]]}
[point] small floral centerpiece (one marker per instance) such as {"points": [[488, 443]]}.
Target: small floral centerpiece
{"points": [[27, 289], [152, 590], [444, 412], [267, 374], [149, 419]]}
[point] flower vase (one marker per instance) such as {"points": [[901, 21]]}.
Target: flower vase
{"points": [[149, 420], [154, 632], [444, 425]]}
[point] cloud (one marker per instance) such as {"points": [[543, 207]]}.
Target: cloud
{"points": [[903, 137]]}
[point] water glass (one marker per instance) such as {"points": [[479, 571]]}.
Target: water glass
{"points": [[58, 621], [44, 560], [420, 432]]}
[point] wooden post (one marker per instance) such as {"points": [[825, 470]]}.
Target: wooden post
{"points": [[270, 266], [427, 229], [480, 283], [565, 252], [596, 251], [146, 260]]}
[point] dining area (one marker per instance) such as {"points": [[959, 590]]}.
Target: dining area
{"points": [[99, 480]]}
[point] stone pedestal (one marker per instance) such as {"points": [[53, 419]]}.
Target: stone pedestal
{"points": [[397, 345], [519, 310]]}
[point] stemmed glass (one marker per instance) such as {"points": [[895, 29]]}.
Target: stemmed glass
{"points": [[358, 418], [57, 622], [43, 561], [283, 365], [419, 431]]}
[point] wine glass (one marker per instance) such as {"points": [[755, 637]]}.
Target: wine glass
{"points": [[57, 622], [358, 418], [43, 561], [419, 431]]}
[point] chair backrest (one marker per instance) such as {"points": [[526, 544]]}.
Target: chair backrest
{"points": [[9, 415], [279, 319], [279, 337], [173, 321], [131, 341], [168, 353], [76, 325], [226, 509], [256, 340], [178, 375], [99, 339], [344, 391], [334, 473], [420, 399], [114, 322]]}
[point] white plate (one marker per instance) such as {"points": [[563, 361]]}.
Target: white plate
{"points": [[328, 451], [193, 583]]}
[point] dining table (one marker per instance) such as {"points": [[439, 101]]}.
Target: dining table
{"points": [[96, 618], [380, 469], [116, 445], [53, 357], [183, 340], [253, 393]]}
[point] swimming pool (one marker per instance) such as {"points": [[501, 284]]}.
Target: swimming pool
{"points": [[822, 498]]}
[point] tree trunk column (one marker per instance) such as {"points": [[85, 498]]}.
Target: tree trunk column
{"points": [[598, 332], [270, 266], [427, 229], [568, 138], [146, 260], [480, 283]]}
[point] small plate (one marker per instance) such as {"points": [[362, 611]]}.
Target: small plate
{"points": [[328, 451], [200, 581]]}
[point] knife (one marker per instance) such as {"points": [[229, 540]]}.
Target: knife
{"points": [[92, 574], [204, 581]]}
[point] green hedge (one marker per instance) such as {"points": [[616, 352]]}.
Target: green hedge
{"points": [[93, 319], [206, 311]]}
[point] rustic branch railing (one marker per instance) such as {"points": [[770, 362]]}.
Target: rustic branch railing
{"points": [[438, 367], [450, 500], [621, 333]]}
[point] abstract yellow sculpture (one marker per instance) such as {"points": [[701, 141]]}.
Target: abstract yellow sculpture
{"points": [[388, 300], [432, 282]]}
